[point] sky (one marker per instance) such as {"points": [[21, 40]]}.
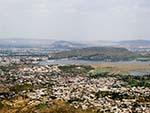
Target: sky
{"points": [[75, 19]]}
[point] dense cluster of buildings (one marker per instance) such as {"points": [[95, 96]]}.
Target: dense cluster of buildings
{"points": [[43, 84]]}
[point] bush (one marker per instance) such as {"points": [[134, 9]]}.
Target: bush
{"points": [[1, 105], [99, 73], [23, 87], [135, 81], [42, 106]]}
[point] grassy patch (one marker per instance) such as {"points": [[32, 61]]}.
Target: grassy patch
{"points": [[113, 95], [41, 106], [1, 105], [135, 81], [21, 87], [63, 107], [99, 72]]}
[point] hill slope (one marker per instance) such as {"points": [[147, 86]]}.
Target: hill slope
{"points": [[96, 53]]}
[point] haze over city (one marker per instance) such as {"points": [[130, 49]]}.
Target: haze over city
{"points": [[75, 19]]}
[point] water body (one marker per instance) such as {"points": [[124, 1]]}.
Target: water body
{"points": [[85, 62], [139, 73]]}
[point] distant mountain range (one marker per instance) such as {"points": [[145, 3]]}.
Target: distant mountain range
{"points": [[24, 43], [30, 43], [135, 43], [126, 43], [64, 45]]}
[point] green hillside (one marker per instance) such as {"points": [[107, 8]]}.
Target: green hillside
{"points": [[96, 53]]}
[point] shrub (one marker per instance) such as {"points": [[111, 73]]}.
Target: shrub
{"points": [[21, 87], [1, 105]]}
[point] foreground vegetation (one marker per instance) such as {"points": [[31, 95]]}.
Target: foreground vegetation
{"points": [[58, 106], [135, 81]]}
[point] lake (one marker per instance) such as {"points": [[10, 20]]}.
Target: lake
{"points": [[84, 62], [135, 72]]}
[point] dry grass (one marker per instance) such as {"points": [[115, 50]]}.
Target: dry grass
{"points": [[58, 106], [123, 67]]}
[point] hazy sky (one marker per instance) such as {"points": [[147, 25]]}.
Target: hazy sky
{"points": [[75, 19]]}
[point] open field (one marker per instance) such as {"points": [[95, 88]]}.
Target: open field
{"points": [[123, 67]]}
